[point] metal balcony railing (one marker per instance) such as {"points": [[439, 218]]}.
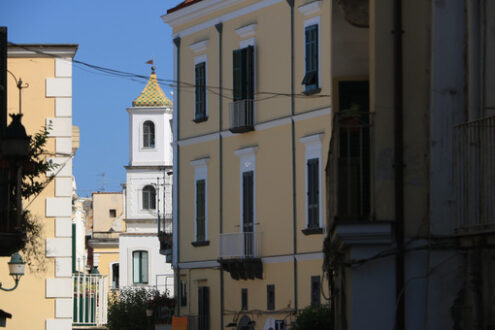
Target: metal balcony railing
{"points": [[239, 245], [474, 172], [350, 182], [165, 234], [90, 300], [241, 116]]}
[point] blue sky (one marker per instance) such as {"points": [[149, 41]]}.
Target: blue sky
{"points": [[119, 34]]}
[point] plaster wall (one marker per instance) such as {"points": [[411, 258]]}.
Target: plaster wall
{"points": [[103, 202]]}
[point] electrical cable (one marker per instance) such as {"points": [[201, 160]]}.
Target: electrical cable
{"points": [[106, 71]]}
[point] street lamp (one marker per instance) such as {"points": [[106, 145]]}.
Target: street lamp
{"points": [[16, 268]]}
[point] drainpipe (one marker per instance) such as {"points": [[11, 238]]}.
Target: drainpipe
{"points": [[293, 141], [219, 28], [177, 176], [399, 168]]}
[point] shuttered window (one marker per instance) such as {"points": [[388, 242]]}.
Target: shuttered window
{"points": [[203, 308], [243, 70], [148, 134], [313, 193], [311, 76], [248, 201], [183, 293], [200, 91], [270, 297], [244, 299], [315, 290], [149, 198], [140, 267], [200, 210]]}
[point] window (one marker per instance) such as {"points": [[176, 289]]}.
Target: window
{"points": [[270, 297], [311, 73], [244, 299], [183, 293], [200, 210], [149, 198], [148, 134], [115, 276], [112, 213], [315, 290], [313, 193], [200, 92], [140, 267], [243, 73], [203, 308], [200, 201]]}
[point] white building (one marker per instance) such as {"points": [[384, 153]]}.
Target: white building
{"points": [[148, 190]]}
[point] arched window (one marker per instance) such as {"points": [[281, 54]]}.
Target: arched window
{"points": [[149, 198], [148, 134], [140, 267]]}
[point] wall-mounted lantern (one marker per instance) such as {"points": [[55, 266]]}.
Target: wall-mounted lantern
{"points": [[16, 269]]}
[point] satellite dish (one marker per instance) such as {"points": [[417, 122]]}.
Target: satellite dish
{"points": [[269, 324]]}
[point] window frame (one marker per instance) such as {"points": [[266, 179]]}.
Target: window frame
{"points": [[312, 88], [198, 116], [151, 135], [152, 198], [313, 150], [200, 174], [270, 297], [141, 279], [315, 279]]}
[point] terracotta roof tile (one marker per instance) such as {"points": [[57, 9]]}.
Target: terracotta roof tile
{"points": [[181, 5]]}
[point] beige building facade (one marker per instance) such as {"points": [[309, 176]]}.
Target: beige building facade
{"points": [[43, 299], [252, 125]]}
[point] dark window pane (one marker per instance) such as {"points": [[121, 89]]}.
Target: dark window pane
{"points": [[243, 71], [200, 210], [311, 49], [244, 299], [200, 90], [313, 193], [148, 134], [270, 297], [149, 198], [315, 290], [203, 308], [183, 293]]}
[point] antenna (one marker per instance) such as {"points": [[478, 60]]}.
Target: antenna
{"points": [[104, 179]]}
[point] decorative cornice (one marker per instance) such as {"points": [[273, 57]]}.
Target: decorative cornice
{"points": [[195, 11], [40, 50], [200, 162], [310, 8], [247, 30], [314, 138], [199, 46], [371, 233], [246, 151]]}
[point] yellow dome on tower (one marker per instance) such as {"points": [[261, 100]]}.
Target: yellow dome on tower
{"points": [[152, 95]]}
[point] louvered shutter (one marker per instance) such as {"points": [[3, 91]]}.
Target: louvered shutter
{"points": [[237, 66], [313, 193], [200, 210]]}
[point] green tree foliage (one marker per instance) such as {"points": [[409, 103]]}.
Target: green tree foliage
{"points": [[127, 308], [314, 317]]}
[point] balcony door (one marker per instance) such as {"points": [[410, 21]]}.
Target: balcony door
{"points": [[248, 212]]}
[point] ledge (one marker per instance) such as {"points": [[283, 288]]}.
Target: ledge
{"points": [[310, 8], [200, 243], [362, 233], [200, 120], [312, 231], [247, 30], [312, 91], [199, 46]]}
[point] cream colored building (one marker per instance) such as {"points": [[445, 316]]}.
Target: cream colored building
{"points": [[252, 125], [43, 299], [108, 224]]}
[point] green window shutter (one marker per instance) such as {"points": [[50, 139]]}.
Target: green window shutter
{"points": [[249, 69], [248, 202], [311, 47], [237, 66], [200, 90], [313, 193], [200, 210]]}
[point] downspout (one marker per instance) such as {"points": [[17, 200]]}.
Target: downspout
{"points": [[219, 28], [292, 110], [177, 175], [399, 167]]}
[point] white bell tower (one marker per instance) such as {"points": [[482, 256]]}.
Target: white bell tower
{"points": [[148, 189]]}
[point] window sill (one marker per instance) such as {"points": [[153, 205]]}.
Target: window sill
{"points": [[312, 91], [200, 243], [312, 231], [200, 119]]}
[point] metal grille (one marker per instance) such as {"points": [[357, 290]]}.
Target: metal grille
{"points": [[474, 166], [240, 245], [241, 116], [350, 181], [90, 300]]}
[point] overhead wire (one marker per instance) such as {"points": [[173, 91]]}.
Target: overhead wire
{"points": [[102, 70]]}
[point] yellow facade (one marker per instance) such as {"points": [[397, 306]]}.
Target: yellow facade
{"points": [[288, 130], [33, 305]]}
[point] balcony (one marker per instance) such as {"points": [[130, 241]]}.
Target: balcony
{"points": [[240, 255], [350, 182], [474, 166], [90, 301], [241, 116], [165, 237]]}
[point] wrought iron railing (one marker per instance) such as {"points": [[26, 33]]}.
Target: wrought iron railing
{"points": [[241, 116], [90, 300], [239, 245], [165, 234], [474, 168], [350, 180]]}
